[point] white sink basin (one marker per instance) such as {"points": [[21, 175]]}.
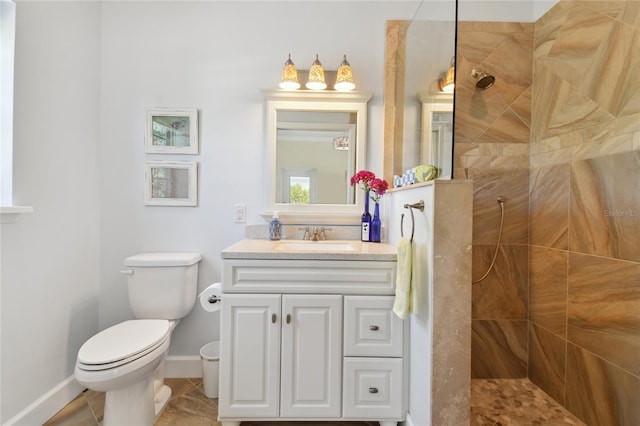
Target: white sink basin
{"points": [[316, 246]]}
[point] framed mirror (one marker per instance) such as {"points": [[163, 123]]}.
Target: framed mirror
{"points": [[171, 183], [172, 131], [315, 143]]}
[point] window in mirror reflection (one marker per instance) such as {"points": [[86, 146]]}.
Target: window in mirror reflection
{"points": [[299, 186], [171, 131], [314, 159]]}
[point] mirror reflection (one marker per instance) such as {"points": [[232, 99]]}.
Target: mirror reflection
{"points": [[419, 55], [315, 143], [315, 157]]}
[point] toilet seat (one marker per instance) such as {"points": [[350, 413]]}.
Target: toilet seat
{"points": [[122, 344]]}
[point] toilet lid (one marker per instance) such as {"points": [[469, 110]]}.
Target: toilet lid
{"points": [[117, 344]]}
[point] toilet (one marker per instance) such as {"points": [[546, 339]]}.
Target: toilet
{"points": [[127, 360]]}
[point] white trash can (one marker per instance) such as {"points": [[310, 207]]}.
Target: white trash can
{"points": [[210, 355]]}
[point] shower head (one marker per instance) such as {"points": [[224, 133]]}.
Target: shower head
{"points": [[483, 80]]}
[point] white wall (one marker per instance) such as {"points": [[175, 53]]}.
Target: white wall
{"points": [[214, 56], [50, 277]]}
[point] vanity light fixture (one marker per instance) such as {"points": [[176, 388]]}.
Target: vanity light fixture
{"points": [[341, 143], [447, 83], [289, 76], [316, 76], [344, 77]]}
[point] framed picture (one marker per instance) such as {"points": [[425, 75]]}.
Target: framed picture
{"points": [[172, 131], [171, 183]]}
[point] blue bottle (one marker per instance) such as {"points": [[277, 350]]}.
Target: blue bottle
{"points": [[275, 228], [376, 225], [366, 219]]}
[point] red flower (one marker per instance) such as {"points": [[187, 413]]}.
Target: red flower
{"points": [[370, 183], [378, 187], [363, 177]]}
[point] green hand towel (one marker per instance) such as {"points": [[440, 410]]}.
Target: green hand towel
{"points": [[402, 303]]}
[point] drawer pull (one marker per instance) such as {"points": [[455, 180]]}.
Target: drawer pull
{"points": [[374, 328], [273, 318], [373, 390], [288, 319]]}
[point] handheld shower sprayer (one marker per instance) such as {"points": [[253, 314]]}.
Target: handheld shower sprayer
{"points": [[501, 200]]}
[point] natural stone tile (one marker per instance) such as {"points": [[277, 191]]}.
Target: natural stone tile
{"points": [[77, 412], [512, 402], [503, 293], [488, 184], [548, 289], [547, 361], [498, 349], [558, 107], [507, 128], [549, 206], [604, 308], [598, 392], [605, 206]]}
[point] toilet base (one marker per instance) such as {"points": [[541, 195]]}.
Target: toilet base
{"points": [[161, 399], [139, 404]]}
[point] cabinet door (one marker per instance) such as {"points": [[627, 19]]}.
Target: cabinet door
{"points": [[249, 356], [311, 356]]}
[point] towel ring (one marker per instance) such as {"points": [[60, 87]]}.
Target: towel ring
{"points": [[419, 206]]}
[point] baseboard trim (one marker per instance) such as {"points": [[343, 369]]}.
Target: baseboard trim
{"points": [[48, 404], [183, 367]]}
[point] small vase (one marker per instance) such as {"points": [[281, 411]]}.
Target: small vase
{"points": [[376, 225], [366, 219]]}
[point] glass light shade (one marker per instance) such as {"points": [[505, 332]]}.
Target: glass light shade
{"points": [[341, 143], [289, 76], [344, 77], [316, 76], [447, 84]]}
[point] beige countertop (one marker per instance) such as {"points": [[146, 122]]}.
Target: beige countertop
{"points": [[310, 250]]}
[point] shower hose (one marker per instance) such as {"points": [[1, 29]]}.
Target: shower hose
{"points": [[495, 253]]}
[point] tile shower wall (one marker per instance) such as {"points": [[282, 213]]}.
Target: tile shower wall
{"points": [[492, 148], [584, 273], [559, 136]]}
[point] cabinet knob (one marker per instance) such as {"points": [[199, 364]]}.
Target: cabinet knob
{"points": [[374, 328], [288, 319], [273, 318], [373, 390]]}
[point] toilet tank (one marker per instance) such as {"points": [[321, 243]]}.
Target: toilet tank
{"points": [[162, 285]]}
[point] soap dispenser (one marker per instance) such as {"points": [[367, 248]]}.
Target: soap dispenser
{"points": [[275, 228]]}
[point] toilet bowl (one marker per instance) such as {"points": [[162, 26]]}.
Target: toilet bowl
{"points": [[122, 361], [127, 360]]}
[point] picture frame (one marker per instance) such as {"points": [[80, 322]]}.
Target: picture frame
{"points": [[171, 131], [171, 183]]}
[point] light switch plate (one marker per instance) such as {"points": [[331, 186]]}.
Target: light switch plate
{"points": [[239, 213]]}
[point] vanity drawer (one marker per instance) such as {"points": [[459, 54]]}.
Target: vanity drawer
{"points": [[372, 388], [308, 276], [371, 328]]}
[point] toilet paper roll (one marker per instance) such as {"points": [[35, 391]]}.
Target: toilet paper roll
{"points": [[211, 298]]}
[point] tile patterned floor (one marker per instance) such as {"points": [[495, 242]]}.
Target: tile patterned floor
{"points": [[514, 402], [510, 402]]}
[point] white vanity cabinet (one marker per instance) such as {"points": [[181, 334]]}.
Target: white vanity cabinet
{"points": [[283, 357], [310, 338]]}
